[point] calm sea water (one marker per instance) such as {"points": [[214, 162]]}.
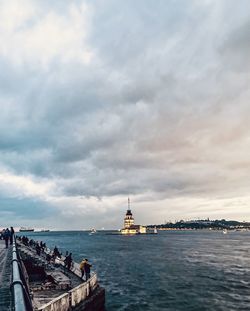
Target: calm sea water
{"points": [[170, 271]]}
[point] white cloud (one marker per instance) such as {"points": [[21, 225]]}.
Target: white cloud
{"points": [[18, 186], [31, 35], [15, 14]]}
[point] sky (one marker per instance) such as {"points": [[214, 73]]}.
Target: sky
{"points": [[103, 100]]}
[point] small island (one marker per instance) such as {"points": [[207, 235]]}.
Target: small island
{"points": [[129, 226]]}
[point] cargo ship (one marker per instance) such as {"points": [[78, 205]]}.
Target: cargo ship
{"points": [[26, 229]]}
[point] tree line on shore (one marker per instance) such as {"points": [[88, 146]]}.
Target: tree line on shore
{"points": [[204, 224]]}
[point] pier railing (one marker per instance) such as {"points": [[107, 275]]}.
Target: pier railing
{"points": [[72, 298], [20, 291]]}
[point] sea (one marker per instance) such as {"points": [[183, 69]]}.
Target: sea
{"points": [[171, 270]]}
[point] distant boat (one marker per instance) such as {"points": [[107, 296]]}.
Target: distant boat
{"points": [[45, 230], [92, 231], [224, 231], [26, 229], [155, 230]]}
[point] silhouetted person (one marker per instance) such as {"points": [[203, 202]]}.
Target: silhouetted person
{"points": [[68, 261], [48, 258], [2, 234], [42, 246], [6, 237], [38, 249], [87, 267], [12, 232], [65, 259], [56, 252]]}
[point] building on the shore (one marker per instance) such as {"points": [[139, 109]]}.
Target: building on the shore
{"points": [[129, 226]]}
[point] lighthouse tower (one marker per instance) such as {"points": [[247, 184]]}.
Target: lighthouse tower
{"points": [[129, 226], [128, 220]]}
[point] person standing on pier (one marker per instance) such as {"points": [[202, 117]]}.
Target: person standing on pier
{"points": [[12, 232], [56, 252], [38, 249], [65, 259], [87, 267], [6, 236], [68, 261], [82, 265]]}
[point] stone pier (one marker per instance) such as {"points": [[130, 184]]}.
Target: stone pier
{"points": [[5, 277], [79, 296]]}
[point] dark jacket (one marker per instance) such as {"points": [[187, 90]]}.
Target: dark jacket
{"points": [[6, 234], [87, 267]]}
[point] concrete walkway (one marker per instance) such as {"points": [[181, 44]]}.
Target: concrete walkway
{"points": [[5, 277]]}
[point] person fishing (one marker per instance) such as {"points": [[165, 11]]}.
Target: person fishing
{"points": [[87, 267], [82, 264]]}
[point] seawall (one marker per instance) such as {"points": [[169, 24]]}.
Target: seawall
{"points": [[39, 293]]}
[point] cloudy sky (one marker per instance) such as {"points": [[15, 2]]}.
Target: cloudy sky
{"points": [[105, 99]]}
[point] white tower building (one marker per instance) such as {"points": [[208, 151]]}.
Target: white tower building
{"points": [[128, 219]]}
